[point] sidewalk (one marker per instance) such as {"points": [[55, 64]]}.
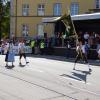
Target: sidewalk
{"points": [[62, 58]]}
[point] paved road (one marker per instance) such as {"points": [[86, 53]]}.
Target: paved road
{"points": [[47, 79]]}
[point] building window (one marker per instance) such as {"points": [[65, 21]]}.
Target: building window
{"points": [[97, 4], [41, 9], [74, 8], [40, 28], [25, 9], [57, 9], [25, 30]]}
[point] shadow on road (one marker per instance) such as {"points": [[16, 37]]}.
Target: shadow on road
{"points": [[9, 67], [21, 65], [78, 75]]}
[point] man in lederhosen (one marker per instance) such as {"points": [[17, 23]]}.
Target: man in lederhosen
{"points": [[81, 54], [21, 47]]}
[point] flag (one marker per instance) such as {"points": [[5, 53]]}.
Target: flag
{"points": [[70, 29]]}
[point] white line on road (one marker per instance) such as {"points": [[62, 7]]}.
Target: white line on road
{"points": [[77, 80]]}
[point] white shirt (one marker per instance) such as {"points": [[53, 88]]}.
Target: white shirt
{"points": [[6, 46], [98, 47], [21, 47], [83, 49], [86, 36], [99, 52]]}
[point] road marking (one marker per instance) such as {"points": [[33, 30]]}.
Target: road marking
{"points": [[77, 80]]}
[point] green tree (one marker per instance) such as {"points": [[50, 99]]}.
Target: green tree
{"points": [[4, 18]]}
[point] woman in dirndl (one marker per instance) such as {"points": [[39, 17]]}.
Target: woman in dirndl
{"points": [[10, 53]]}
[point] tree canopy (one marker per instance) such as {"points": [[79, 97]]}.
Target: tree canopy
{"points": [[4, 18]]}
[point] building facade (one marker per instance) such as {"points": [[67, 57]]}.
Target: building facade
{"points": [[26, 15]]}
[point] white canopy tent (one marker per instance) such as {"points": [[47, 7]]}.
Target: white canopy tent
{"points": [[75, 17]]}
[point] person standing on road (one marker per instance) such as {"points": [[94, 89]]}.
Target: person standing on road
{"points": [[81, 54], [33, 46], [68, 52], [10, 55], [0, 49], [98, 51], [42, 46], [98, 54], [21, 48]]}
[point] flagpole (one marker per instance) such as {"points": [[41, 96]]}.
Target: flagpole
{"points": [[77, 41], [74, 28]]}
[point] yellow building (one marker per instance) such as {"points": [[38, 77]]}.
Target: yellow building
{"points": [[26, 15]]}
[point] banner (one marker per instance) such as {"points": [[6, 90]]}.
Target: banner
{"points": [[28, 49], [70, 29]]}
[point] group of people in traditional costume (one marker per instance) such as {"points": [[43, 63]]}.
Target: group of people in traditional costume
{"points": [[10, 53]]}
